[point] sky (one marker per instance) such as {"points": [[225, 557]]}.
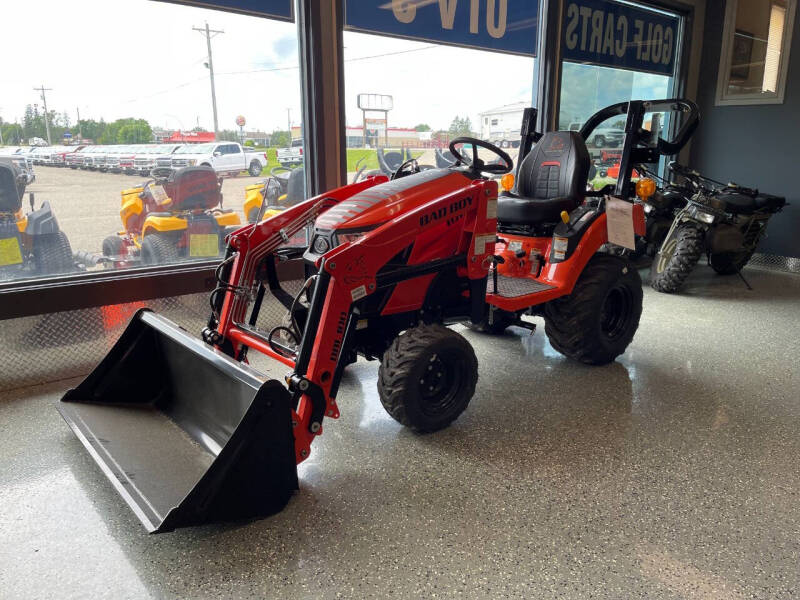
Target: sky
{"points": [[138, 58]]}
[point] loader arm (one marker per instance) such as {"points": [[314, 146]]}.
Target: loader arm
{"points": [[346, 275]]}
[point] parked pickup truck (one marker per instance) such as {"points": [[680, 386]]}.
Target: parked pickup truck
{"points": [[289, 157], [227, 158]]}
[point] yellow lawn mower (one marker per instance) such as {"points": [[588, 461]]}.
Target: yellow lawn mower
{"points": [[285, 187], [31, 244], [175, 216]]}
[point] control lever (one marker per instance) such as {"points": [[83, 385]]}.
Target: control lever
{"points": [[494, 261]]}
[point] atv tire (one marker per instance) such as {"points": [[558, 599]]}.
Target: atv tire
{"points": [[255, 168], [113, 246], [676, 259], [52, 254], [427, 377], [160, 249], [730, 263], [596, 322]]}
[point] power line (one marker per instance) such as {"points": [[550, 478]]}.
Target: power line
{"points": [[207, 32], [46, 115]]}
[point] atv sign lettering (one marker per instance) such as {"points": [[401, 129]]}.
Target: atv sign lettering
{"points": [[500, 25], [616, 35]]}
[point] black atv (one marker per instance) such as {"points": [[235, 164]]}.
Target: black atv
{"points": [[32, 244], [724, 221]]}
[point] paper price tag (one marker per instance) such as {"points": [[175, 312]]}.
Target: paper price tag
{"points": [[619, 221], [159, 194]]}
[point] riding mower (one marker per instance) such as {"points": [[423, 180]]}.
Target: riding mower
{"points": [[391, 263], [175, 216], [285, 187], [30, 244]]}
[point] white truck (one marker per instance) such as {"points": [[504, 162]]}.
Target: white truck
{"points": [[292, 156], [227, 158]]}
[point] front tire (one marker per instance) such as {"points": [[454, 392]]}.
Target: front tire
{"points": [[596, 322], [427, 377], [52, 254], [113, 246], [255, 168], [676, 259], [159, 249], [599, 141]]}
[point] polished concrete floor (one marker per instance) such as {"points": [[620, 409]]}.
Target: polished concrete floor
{"points": [[672, 473]]}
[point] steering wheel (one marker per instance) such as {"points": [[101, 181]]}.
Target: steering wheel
{"points": [[409, 167], [476, 164]]}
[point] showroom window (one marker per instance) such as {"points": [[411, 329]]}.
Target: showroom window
{"points": [[418, 75], [755, 51], [614, 52], [108, 136]]}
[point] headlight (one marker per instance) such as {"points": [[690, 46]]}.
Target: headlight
{"points": [[701, 215], [321, 245], [192, 162], [705, 217], [648, 208]]}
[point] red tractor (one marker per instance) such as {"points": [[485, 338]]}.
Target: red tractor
{"points": [[390, 264]]}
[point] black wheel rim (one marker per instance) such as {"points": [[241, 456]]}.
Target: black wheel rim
{"points": [[615, 315], [439, 384]]}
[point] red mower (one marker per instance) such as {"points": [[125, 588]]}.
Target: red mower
{"points": [[391, 263]]}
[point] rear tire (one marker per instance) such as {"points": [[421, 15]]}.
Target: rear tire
{"points": [[427, 377], [159, 249], [52, 254], [730, 263], [599, 141], [676, 259], [596, 322], [255, 168], [113, 246]]}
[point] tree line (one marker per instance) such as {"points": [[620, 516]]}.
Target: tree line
{"points": [[121, 131]]}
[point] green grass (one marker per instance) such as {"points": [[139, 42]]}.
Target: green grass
{"points": [[353, 156]]}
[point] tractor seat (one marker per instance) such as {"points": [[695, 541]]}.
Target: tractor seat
{"points": [[10, 200], [194, 188], [552, 178]]}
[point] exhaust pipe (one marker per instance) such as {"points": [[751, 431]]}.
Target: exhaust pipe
{"points": [[185, 434]]}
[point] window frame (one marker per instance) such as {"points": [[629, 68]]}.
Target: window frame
{"points": [[723, 98], [28, 297]]}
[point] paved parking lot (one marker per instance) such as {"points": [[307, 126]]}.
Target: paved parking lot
{"points": [[86, 203]]}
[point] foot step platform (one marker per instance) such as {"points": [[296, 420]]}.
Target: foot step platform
{"points": [[513, 287]]}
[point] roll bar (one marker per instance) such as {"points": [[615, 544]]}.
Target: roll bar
{"points": [[663, 146]]}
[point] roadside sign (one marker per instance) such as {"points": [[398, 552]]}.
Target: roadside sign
{"points": [[67, 135], [619, 35], [240, 121], [503, 26]]}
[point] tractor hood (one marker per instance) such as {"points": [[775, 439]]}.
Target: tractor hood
{"points": [[378, 204]]}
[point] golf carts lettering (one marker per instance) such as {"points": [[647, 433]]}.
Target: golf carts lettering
{"points": [[405, 11], [441, 213], [619, 36]]}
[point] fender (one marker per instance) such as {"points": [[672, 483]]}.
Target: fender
{"points": [[154, 223], [227, 219], [131, 208]]}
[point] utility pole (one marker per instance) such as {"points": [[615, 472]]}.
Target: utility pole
{"points": [[289, 124], [1, 131], [210, 64], [80, 129], [46, 115]]}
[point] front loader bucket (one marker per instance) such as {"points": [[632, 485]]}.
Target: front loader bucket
{"points": [[184, 433]]}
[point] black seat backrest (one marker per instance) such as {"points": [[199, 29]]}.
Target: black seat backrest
{"points": [[194, 188], [556, 167], [296, 188], [10, 200]]}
